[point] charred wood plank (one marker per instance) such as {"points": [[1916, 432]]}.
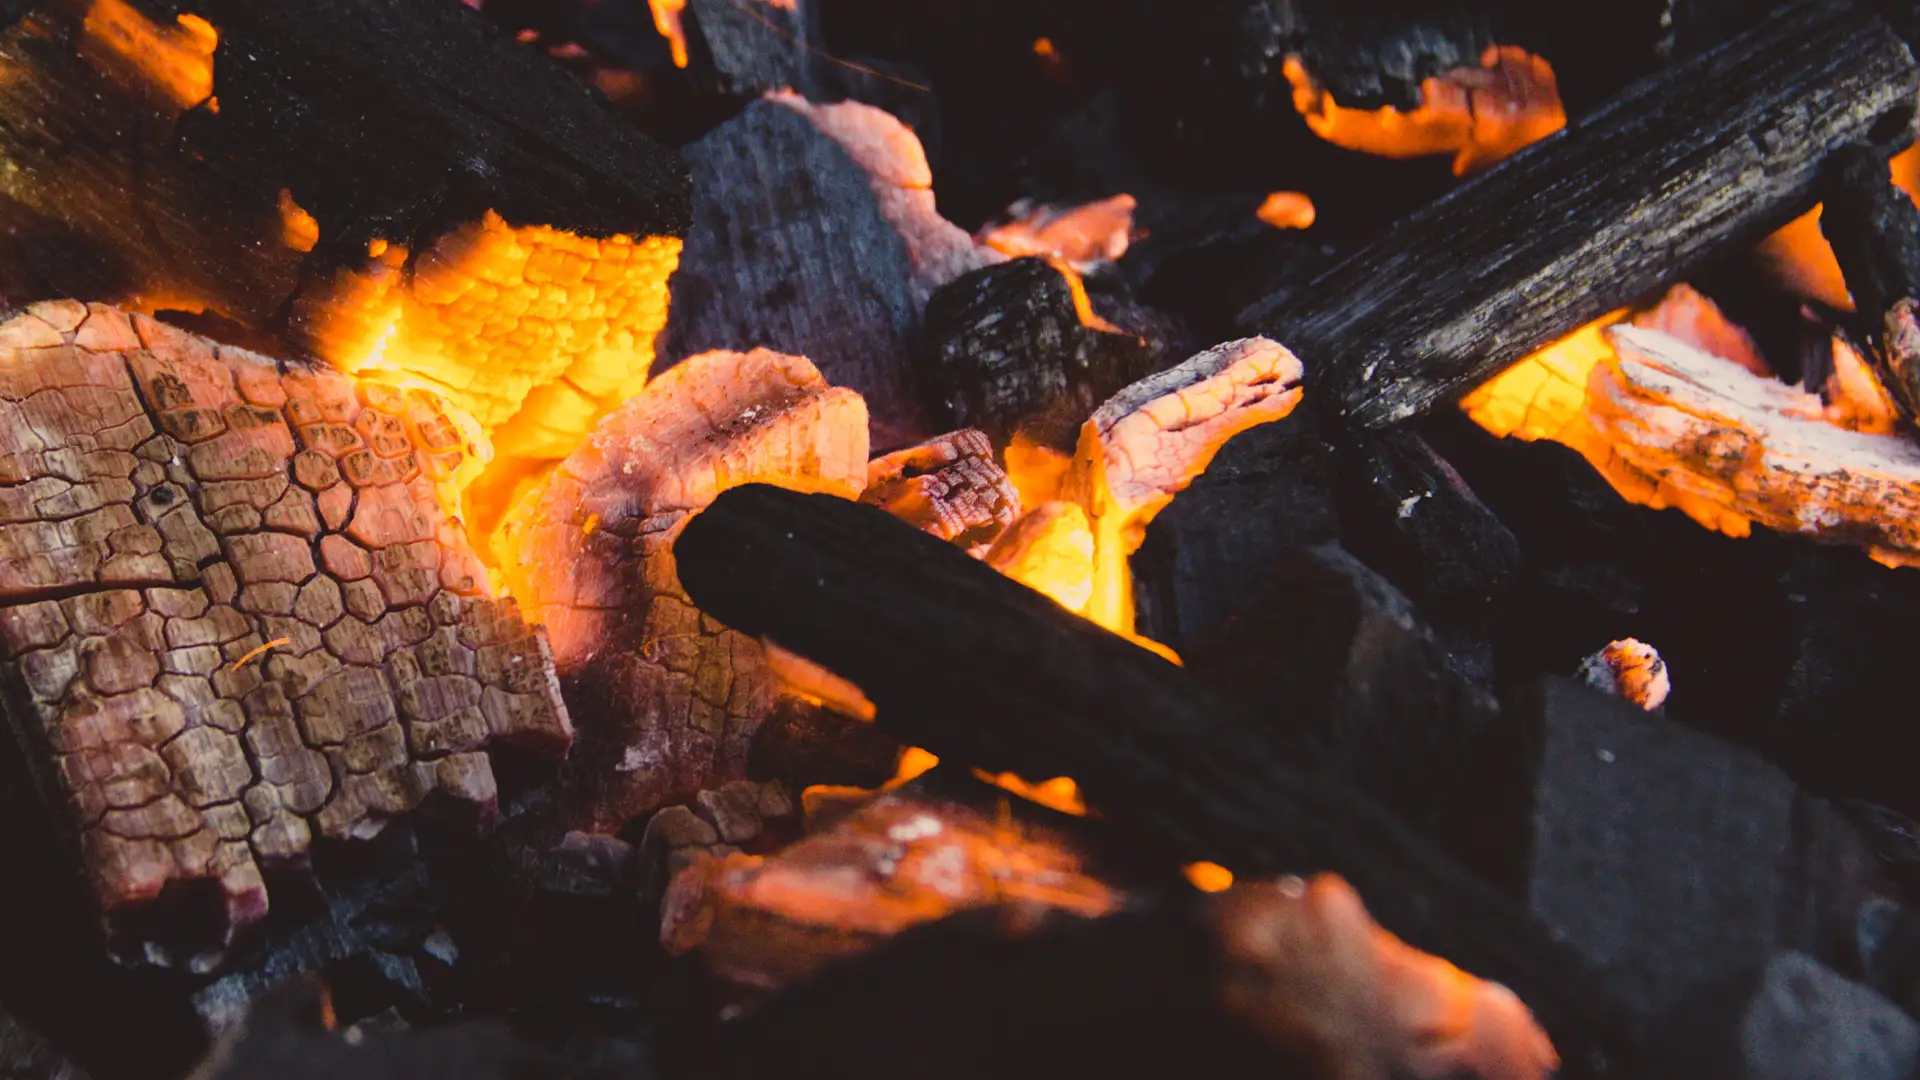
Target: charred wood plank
{"points": [[972, 665], [1627, 200]]}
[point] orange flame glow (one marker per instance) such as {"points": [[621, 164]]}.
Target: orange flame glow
{"points": [[1480, 115], [1286, 210], [667, 16], [1800, 259], [174, 61]]}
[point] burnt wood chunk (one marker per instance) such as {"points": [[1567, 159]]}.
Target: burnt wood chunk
{"points": [[1501, 266], [26, 1056], [792, 251], [952, 487], [1874, 230], [384, 183], [668, 698], [749, 47], [1667, 857], [1270, 489], [236, 616], [1016, 348], [980, 669], [1365, 682]]}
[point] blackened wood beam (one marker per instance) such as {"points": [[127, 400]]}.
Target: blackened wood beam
{"points": [[1703, 157]]}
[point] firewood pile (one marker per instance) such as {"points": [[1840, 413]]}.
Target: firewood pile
{"points": [[1044, 538]]}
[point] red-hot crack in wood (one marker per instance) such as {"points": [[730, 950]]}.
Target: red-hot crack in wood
{"points": [[666, 697], [902, 181], [168, 507], [949, 486], [1148, 442], [1050, 549], [1307, 967], [896, 862], [1480, 115]]}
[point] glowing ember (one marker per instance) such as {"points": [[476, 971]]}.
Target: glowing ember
{"points": [[175, 62], [896, 862], [1631, 670], [1151, 440], [1541, 396], [1049, 549], [298, 229], [1286, 210], [1799, 258], [1308, 968], [1082, 235], [1208, 877], [1480, 115], [1855, 399], [667, 15]]}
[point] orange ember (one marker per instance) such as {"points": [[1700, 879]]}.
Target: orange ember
{"points": [[1081, 235], [1798, 255], [298, 230], [1286, 210], [1480, 115], [1208, 877], [667, 20], [176, 62]]}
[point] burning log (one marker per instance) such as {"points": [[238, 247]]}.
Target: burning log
{"points": [[951, 487], [1648, 171], [809, 238], [668, 698], [237, 616], [1670, 859], [1017, 348], [979, 669], [394, 188], [898, 861], [1275, 978], [1874, 229]]}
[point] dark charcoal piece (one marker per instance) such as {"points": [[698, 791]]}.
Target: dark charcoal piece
{"points": [[1499, 267], [1874, 230], [1269, 489], [284, 1038], [748, 47], [1796, 1019], [1129, 995], [1670, 859], [1332, 647], [1006, 349], [790, 251], [1406, 512], [982, 670], [26, 1056]]}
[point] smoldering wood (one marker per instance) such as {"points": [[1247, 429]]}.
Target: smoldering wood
{"points": [[162, 208], [1874, 230], [976, 667], [1458, 291], [748, 47]]}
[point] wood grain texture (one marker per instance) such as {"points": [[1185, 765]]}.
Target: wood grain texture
{"points": [[236, 617], [1709, 155]]}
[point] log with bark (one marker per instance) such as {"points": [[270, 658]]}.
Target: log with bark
{"points": [[668, 699], [237, 617], [978, 668], [1627, 200], [394, 187]]}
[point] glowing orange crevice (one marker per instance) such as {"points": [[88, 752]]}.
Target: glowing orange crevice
{"points": [[1480, 115], [1800, 258], [175, 61]]}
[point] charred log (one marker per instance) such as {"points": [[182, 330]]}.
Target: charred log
{"points": [[1874, 229], [1018, 347], [971, 665], [26, 1056], [1648, 171], [745, 47]]}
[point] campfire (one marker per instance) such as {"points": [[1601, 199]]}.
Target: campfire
{"points": [[731, 537]]}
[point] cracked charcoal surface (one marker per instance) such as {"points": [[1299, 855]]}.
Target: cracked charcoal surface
{"points": [[169, 508], [668, 699]]}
